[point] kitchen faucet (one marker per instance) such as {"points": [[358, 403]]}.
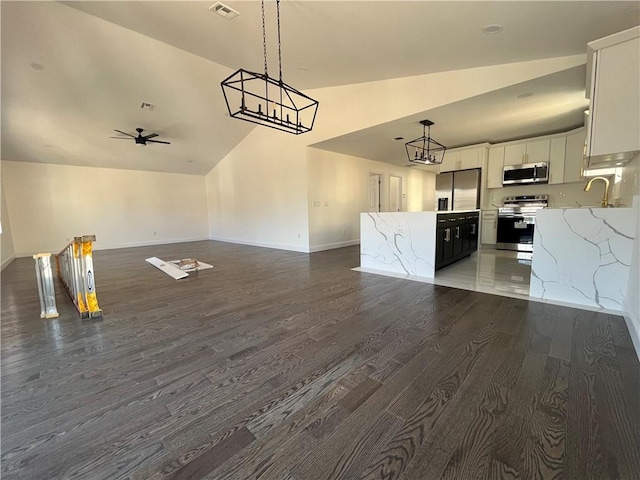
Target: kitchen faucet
{"points": [[605, 199]]}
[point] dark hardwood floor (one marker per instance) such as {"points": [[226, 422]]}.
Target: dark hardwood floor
{"points": [[282, 365]]}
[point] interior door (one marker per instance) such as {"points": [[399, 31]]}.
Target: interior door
{"points": [[395, 193], [374, 192]]}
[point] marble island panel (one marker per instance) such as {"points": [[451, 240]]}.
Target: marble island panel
{"points": [[399, 242], [583, 256]]}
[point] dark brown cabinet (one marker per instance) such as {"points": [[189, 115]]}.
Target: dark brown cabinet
{"points": [[456, 237]]}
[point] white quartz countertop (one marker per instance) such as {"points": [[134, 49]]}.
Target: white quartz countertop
{"points": [[588, 207]]}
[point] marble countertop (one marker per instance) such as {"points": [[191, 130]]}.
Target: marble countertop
{"points": [[588, 207]]}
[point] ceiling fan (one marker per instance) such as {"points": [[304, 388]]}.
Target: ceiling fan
{"points": [[141, 140]]}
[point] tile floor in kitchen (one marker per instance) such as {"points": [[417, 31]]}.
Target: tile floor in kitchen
{"points": [[500, 272]]}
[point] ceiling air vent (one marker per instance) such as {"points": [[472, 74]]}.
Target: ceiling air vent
{"points": [[148, 106], [224, 11]]}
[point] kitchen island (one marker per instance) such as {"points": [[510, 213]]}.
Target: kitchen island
{"points": [[583, 256], [416, 243]]}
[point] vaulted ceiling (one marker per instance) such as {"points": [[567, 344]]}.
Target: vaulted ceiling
{"points": [[73, 72]]}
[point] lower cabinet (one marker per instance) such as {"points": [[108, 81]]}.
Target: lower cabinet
{"points": [[489, 231], [456, 237]]}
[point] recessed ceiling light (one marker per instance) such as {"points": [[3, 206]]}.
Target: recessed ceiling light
{"points": [[224, 10], [37, 66], [397, 139], [492, 29], [525, 95]]}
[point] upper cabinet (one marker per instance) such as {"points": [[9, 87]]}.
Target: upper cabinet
{"points": [[613, 77], [574, 156], [562, 151], [463, 158], [529, 152], [495, 164], [557, 160]]}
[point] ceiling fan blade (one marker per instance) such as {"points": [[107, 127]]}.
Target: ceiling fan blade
{"points": [[121, 138], [124, 133], [151, 135], [158, 141]]}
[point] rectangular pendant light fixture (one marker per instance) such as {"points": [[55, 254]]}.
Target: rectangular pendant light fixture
{"points": [[260, 99]]}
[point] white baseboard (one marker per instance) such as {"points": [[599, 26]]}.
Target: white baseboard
{"points": [[331, 246], [633, 325], [277, 246], [7, 261], [97, 246]]}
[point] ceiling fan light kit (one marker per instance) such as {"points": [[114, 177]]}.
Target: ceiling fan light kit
{"points": [[425, 150], [260, 99]]}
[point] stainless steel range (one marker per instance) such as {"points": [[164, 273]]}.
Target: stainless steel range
{"points": [[516, 221]]}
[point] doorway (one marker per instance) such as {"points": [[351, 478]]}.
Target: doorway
{"points": [[395, 193], [374, 192]]}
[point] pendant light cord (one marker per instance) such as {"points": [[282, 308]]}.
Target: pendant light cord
{"points": [[279, 47], [264, 41]]}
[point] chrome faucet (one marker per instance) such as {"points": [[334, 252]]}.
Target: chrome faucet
{"points": [[605, 199]]}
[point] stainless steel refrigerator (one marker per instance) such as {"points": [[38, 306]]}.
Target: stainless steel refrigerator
{"points": [[458, 190]]}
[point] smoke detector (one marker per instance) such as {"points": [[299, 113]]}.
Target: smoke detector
{"points": [[224, 10]]}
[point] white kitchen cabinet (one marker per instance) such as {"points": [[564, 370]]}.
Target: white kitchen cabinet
{"points": [[495, 165], [538, 151], [471, 158], [613, 76], [450, 161], [556, 160], [489, 227], [462, 159], [527, 152], [514, 154], [574, 157]]}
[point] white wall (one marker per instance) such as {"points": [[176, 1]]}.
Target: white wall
{"points": [[48, 204], [338, 188], [349, 108], [257, 195], [6, 238]]}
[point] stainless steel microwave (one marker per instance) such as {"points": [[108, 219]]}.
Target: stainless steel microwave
{"points": [[526, 173]]}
